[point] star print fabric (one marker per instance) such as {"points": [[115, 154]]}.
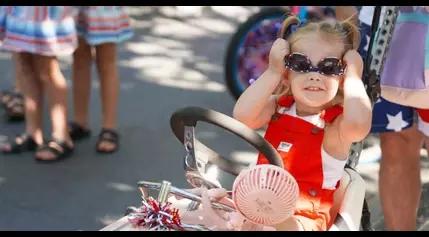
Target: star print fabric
{"points": [[391, 117]]}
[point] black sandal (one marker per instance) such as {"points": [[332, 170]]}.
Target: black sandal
{"points": [[15, 102], [107, 135], [21, 143], [77, 132], [60, 149], [5, 96]]}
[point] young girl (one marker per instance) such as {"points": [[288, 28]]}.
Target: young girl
{"points": [[100, 28], [38, 34], [314, 102]]}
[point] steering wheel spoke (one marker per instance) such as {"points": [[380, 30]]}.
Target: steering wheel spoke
{"points": [[183, 123], [165, 188], [193, 161]]}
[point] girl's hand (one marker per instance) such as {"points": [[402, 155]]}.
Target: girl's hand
{"points": [[278, 52], [217, 219], [205, 214], [354, 63]]}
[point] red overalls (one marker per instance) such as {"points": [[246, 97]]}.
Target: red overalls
{"points": [[299, 143]]}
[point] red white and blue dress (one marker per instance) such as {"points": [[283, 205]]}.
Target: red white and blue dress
{"points": [[42, 30], [104, 24]]}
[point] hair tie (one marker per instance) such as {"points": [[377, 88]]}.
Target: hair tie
{"points": [[293, 27], [299, 25], [339, 27]]}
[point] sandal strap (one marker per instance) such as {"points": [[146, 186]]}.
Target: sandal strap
{"points": [[27, 143], [108, 135], [15, 105], [5, 93], [75, 127], [54, 149], [23, 136], [16, 110], [17, 95]]}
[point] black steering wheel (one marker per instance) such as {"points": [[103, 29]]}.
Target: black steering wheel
{"points": [[183, 122]]}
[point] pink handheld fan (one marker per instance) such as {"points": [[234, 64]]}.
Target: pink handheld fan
{"points": [[265, 194]]}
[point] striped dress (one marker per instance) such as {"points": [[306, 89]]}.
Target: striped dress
{"points": [[42, 30], [104, 24]]}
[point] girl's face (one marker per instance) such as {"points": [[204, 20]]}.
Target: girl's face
{"points": [[312, 88]]}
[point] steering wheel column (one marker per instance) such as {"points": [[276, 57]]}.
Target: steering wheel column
{"points": [[183, 123]]}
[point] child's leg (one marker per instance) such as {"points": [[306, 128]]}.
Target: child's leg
{"points": [[109, 84], [14, 102], [32, 90], [56, 90], [82, 59], [33, 96], [6, 97], [18, 72]]}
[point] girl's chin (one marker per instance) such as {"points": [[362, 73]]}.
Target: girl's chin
{"points": [[315, 101]]}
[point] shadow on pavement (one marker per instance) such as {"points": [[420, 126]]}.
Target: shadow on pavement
{"points": [[168, 64]]}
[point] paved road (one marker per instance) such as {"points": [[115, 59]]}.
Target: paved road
{"points": [[168, 64]]}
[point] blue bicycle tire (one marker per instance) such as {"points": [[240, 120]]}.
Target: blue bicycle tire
{"points": [[231, 56]]}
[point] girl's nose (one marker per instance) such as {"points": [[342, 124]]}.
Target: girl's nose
{"points": [[314, 79]]}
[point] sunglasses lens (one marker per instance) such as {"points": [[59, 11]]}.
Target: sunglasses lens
{"points": [[331, 66], [298, 63]]}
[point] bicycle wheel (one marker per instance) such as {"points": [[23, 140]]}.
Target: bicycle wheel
{"points": [[246, 57]]}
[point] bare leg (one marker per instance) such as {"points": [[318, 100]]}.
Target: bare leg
{"points": [[33, 97], [13, 105], [82, 59], [56, 90], [400, 178], [109, 85], [17, 87], [18, 73]]}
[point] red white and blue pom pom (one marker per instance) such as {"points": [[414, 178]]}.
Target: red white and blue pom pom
{"points": [[157, 216]]}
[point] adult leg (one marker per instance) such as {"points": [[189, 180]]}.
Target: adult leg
{"points": [[399, 182], [400, 178]]}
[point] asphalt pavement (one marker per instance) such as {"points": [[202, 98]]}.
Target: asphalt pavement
{"points": [[168, 64]]}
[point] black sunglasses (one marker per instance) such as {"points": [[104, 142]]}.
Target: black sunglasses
{"points": [[329, 66]]}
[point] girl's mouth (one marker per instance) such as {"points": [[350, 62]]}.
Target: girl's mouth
{"points": [[313, 88]]}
